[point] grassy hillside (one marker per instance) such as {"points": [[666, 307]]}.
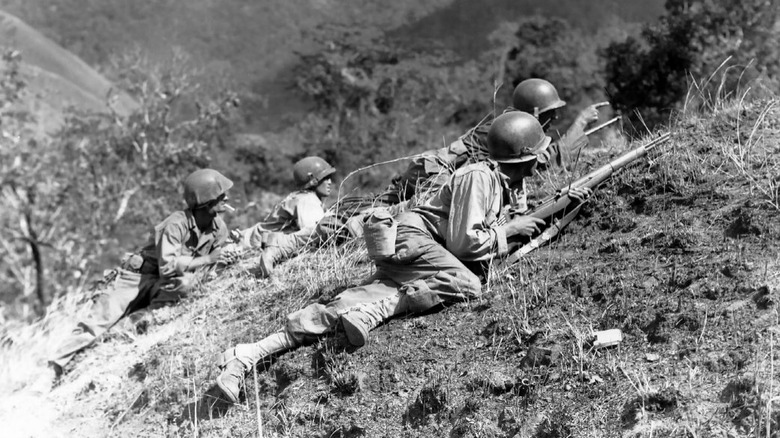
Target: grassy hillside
{"points": [[679, 252]]}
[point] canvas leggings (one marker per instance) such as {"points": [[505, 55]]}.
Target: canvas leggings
{"points": [[129, 291], [420, 275]]}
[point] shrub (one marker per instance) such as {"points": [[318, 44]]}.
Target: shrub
{"points": [[81, 198], [649, 76]]}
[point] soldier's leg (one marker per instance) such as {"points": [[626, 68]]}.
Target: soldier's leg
{"points": [[281, 246], [252, 237], [169, 291], [423, 262], [421, 275], [302, 326], [107, 310], [307, 324], [235, 361]]}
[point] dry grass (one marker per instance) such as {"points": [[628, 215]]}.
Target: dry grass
{"points": [[673, 251]]}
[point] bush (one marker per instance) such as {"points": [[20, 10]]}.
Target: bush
{"points": [[649, 76], [550, 48], [81, 198], [373, 102]]}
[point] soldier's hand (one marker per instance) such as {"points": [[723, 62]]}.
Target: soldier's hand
{"points": [[215, 256], [580, 194], [227, 258], [235, 236], [590, 114], [523, 226], [229, 254]]}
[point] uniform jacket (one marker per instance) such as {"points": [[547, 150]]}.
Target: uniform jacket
{"points": [[299, 211], [464, 214], [177, 240]]}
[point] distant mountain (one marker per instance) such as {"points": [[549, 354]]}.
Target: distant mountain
{"points": [[56, 78], [253, 43]]}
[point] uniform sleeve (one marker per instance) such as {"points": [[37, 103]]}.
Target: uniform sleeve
{"points": [[169, 254], [575, 132], [469, 237], [308, 212]]}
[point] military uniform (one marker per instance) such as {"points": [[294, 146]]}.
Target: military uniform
{"points": [[459, 223], [427, 173], [154, 277], [289, 226], [464, 221]]}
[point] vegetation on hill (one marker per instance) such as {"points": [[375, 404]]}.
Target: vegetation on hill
{"points": [[679, 252], [651, 75], [94, 190], [251, 46]]}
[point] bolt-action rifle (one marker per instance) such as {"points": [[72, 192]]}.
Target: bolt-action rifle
{"points": [[558, 210]]}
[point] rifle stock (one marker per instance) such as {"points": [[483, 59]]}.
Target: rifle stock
{"points": [[558, 205]]}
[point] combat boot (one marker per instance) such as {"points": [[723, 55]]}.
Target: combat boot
{"points": [[268, 260], [357, 322], [229, 381], [236, 361]]}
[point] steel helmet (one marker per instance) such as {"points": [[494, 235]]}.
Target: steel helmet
{"points": [[515, 137], [536, 96], [309, 171], [203, 186]]}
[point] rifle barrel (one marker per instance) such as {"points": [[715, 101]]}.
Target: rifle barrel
{"points": [[602, 126], [559, 201]]}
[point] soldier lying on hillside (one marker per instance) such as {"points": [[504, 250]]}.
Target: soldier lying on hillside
{"points": [[459, 223], [163, 271], [424, 176], [294, 222], [430, 171]]}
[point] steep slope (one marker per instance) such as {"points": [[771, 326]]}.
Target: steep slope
{"points": [[679, 252], [56, 78]]}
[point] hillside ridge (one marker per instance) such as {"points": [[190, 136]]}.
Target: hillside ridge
{"points": [[678, 252]]}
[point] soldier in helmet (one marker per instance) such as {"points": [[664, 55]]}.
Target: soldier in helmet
{"points": [[431, 169], [460, 223], [540, 98], [293, 222], [164, 270]]}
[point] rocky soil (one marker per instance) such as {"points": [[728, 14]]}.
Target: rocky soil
{"points": [[678, 252]]}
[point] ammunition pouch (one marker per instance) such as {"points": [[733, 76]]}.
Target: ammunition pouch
{"points": [[136, 263]]}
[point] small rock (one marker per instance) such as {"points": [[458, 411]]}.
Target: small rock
{"points": [[652, 357], [608, 338]]}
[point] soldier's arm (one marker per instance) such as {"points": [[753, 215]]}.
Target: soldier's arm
{"points": [[169, 253], [587, 116]]}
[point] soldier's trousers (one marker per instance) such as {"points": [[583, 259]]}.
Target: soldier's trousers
{"points": [[287, 243], [421, 274], [129, 291]]}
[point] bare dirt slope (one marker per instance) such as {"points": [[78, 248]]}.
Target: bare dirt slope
{"points": [[678, 252]]}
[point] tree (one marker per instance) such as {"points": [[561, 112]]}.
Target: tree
{"points": [[75, 198], [651, 75], [550, 48], [372, 101]]}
